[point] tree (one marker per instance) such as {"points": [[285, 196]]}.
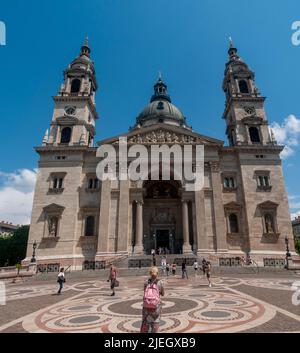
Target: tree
{"points": [[297, 245], [13, 249]]}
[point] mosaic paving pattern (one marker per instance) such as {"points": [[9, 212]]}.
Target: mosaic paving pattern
{"points": [[189, 306]]}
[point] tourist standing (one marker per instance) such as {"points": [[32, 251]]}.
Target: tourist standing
{"points": [[153, 290], [208, 272], [61, 279], [113, 279], [184, 270]]}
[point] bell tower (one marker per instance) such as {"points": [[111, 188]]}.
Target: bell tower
{"points": [[244, 113], [74, 116]]}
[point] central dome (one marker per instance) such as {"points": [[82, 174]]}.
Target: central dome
{"points": [[161, 110]]}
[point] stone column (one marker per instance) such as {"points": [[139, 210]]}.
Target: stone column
{"points": [[139, 248], [123, 218], [185, 225], [202, 240], [219, 216], [102, 248]]}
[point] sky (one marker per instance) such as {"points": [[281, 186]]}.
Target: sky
{"points": [[131, 41]]}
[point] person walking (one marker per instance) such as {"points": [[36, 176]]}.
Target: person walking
{"points": [[61, 279], [174, 269], [153, 290], [168, 269], [203, 266], [208, 272], [195, 266], [184, 270], [113, 279]]}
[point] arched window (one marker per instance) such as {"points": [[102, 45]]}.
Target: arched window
{"points": [[75, 86], [66, 133], [254, 134], [243, 86], [89, 226], [233, 223]]}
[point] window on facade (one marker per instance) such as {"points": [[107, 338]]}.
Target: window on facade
{"points": [[57, 183], [229, 182], [263, 181], [254, 134], [75, 85], [233, 223], [66, 133], [243, 86], [89, 226], [93, 183]]}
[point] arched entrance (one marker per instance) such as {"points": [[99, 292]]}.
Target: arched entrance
{"points": [[162, 219]]}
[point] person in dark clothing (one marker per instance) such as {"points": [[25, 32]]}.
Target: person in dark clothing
{"points": [[184, 271]]}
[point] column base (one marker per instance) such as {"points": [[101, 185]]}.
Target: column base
{"points": [[138, 250], [187, 249]]}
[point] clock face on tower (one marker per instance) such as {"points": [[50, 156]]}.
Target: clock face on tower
{"points": [[70, 110]]}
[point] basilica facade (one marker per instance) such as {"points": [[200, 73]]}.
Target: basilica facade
{"points": [[242, 208]]}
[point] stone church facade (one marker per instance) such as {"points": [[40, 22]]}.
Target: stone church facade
{"points": [[242, 209]]}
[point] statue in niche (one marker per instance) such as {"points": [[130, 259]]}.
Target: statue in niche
{"points": [[269, 224], [52, 226]]}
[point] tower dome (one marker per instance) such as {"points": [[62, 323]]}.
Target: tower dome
{"points": [[161, 110]]}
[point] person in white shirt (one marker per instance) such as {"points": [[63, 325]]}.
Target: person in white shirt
{"points": [[196, 266], [61, 280]]}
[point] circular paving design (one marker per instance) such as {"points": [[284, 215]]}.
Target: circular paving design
{"points": [[186, 308]]}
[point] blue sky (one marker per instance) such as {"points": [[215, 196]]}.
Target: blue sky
{"points": [[131, 40]]}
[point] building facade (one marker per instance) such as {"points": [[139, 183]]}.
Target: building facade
{"points": [[242, 209], [7, 229], [296, 227]]}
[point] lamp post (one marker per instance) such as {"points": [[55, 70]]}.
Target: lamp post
{"points": [[34, 246], [288, 254]]}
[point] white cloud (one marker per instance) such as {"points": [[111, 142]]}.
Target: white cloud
{"points": [[16, 195], [288, 134], [295, 215]]}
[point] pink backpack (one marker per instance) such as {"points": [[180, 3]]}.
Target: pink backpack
{"points": [[151, 296]]}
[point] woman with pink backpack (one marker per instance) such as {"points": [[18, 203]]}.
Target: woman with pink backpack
{"points": [[153, 290]]}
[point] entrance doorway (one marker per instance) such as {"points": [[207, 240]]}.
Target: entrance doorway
{"points": [[162, 240]]}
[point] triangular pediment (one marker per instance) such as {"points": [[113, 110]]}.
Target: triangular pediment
{"points": [[268, 205], [53, 207], [232, 205], [163, 134]]}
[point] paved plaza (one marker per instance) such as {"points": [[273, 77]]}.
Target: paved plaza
{"points": [[235, 303]]}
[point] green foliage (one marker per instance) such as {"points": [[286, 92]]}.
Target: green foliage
{"points": [[297, 245], [13, 249]]}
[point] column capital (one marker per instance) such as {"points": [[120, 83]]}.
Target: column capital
{"points": [[214, 166], [183, 201], [139, 202]]}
